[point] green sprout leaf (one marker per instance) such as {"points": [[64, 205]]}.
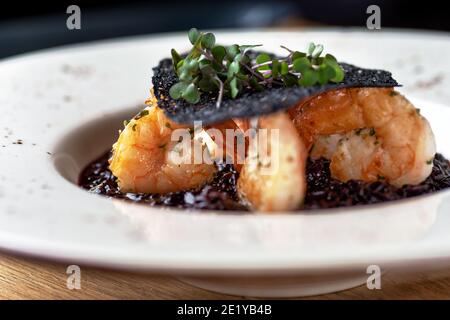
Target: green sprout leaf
{"points": [[298, 54], [234, 88], [330, 58], [208, 40], [311, 47], [339, 75], [284, 68], [326, 73], [317, 51], [238, 58], [176, 58], [309, 78], [275, 68], [339, 72], [233, 68], [177, 90], [191, 94], [180, 63], [204, 63], [232, 51], [219, 53], [301, 64], [193, 35], [263, 57]]}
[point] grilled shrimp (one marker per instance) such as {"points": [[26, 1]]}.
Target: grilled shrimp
{"points": [[368, 134], [273, 175], [144, 157]]}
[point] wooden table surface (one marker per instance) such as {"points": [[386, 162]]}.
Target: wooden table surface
{"points": [[26, 278]]}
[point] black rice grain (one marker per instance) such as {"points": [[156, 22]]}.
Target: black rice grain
{"points": [[323, 191], [220, 194]]}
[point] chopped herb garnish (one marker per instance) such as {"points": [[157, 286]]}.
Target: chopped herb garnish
{"points": [[380, 177], [134, 127], [429, 162], [167, 125], [141, 114], [126, 122], [393, 93], [229, 71], [372, 132]]}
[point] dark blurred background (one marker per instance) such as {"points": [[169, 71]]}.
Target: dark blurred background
{"points": [[27, 26]]}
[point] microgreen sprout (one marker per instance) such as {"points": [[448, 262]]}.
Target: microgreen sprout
{"points": [[230, 70]]}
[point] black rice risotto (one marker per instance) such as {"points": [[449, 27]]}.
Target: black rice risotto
{"points": [[322, 192]]}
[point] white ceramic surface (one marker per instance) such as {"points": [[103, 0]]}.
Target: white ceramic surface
{"points": [[66, 105]]}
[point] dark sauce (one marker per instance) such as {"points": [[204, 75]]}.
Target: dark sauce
{"points": [[322, 192], [219, 194], [326, 192]]}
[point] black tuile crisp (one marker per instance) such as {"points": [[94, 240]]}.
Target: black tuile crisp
{"points": [[253, 103]]}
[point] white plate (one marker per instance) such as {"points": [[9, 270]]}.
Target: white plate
{"points": [[70, 102]]}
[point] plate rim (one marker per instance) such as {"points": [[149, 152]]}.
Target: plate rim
{"points": [[115, 41]]}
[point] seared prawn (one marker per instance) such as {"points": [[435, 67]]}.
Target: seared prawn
{"points": [[144, 157], [368, 134], [273, 175]]}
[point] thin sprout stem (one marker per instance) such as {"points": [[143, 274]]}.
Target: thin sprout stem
{"points": [[220, 96], [286, 48], [256, 66], [266, 72], [259, 76], [256, 74], [211, 58]]}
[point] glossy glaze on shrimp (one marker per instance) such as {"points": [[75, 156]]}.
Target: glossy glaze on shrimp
{"points": [[143, 160], [273, 176], [368, 134]]}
